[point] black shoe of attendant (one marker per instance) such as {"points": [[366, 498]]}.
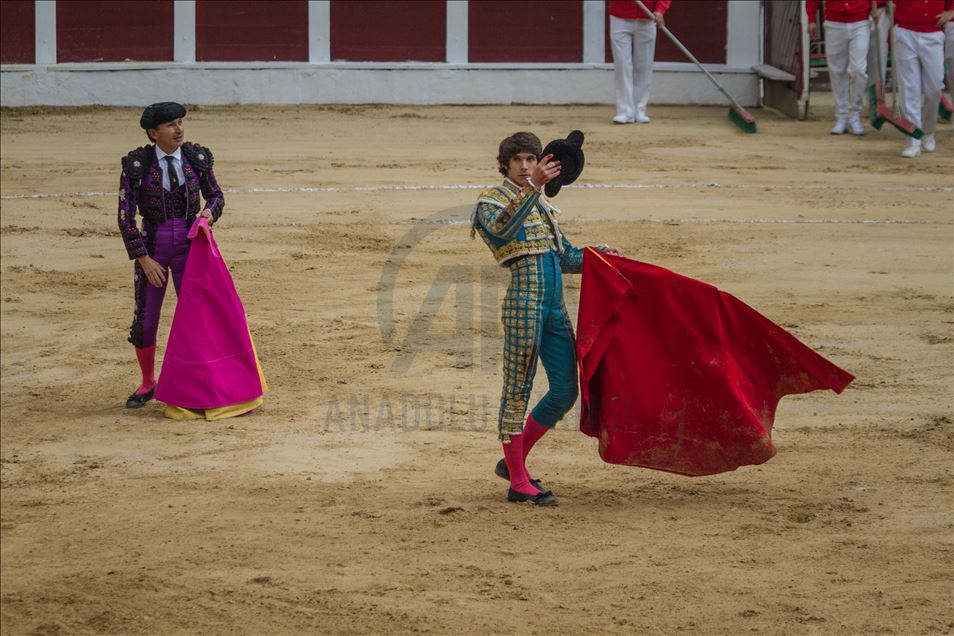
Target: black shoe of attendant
{"points": [[138, 400], [545, 498], [503, 472]]}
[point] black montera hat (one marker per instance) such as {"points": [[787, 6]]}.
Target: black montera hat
{"points": [[569, 152], [161, 113]]}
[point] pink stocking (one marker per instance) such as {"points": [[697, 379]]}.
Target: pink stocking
{"points": [[513, 455], [532, 433], [147, 364]]}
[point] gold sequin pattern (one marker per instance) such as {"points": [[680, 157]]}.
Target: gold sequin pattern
{"points": [[522, 319]]}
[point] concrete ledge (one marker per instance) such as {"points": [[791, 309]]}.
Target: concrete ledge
{"points": [[138, 83], [766, 71]]}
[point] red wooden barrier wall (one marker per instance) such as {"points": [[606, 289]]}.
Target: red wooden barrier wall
{"points": [[251, 31], [389, 31], [700, 25], [17, 41], [516, 32], [114, 30], [361, 30]]}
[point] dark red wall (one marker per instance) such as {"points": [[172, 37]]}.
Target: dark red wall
{"points": [[526, 31], [113, 30], [389, 31], [361, 30], [250, 31], [17, 39], [699, 24]]}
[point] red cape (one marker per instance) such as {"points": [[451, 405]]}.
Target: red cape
{"points": [[677, 375]]}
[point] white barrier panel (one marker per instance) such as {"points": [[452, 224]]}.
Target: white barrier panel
{"points": [[135, 84]]}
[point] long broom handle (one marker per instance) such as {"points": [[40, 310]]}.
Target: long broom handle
{"points": [[889, 10], [878, 52], [692, 57]]}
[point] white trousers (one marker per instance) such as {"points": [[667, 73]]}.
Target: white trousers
{"points": [[920, 60], [846, 46], [634, 47]]}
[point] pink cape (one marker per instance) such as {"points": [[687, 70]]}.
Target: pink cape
{"points": [[209, 361], [677, 375]]}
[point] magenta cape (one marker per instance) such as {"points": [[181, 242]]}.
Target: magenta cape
{"points": [[209, 361], [677, 375]]}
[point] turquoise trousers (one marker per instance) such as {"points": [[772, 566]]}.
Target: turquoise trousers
{"points": [[536, 325]]}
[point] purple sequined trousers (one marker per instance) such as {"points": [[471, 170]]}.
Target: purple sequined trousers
{"points": [[172, 251]]}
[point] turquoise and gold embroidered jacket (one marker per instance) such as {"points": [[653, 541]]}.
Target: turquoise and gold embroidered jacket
{"points": [[515, 223]]}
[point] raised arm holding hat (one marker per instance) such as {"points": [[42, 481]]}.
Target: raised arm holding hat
{"points": [[520, 226], [163, 181]]}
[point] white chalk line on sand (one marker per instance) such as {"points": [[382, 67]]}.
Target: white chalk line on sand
{"points": [[587, 186], [468, 186]]}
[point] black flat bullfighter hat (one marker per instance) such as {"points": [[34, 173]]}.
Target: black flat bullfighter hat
{"points": [[569, 152], [161, 113]]}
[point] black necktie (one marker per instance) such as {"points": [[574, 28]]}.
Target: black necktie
{"points": [[173, 177]]}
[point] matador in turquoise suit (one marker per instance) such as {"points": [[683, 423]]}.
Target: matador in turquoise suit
{"points": [[521, 228]]}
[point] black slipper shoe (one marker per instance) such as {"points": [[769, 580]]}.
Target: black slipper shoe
{"points": [[545, 498], [138, 400], [503, 472]]}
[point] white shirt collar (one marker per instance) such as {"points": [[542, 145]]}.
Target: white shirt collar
{"points": [[176, 154], [512, 185]]}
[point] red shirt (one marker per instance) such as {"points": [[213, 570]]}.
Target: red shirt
{"points": [[629, 10], [840, 10], [920, 15]]}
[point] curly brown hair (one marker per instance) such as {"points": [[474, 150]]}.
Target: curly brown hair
{"points": [[514, 145]]}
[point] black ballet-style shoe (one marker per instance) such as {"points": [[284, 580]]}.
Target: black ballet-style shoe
{"points": [[138, 400], [503, 472], [544, 498]]}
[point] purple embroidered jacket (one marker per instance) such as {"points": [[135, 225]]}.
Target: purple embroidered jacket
{"points": [[140, 186]]}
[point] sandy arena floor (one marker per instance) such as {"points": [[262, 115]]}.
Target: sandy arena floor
{"points": [[361, 498]]}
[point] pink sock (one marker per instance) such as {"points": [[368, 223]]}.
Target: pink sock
{"points": [[513, 456], [532, 433], [147, 364]]}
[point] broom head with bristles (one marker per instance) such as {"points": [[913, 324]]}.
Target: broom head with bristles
{"points": [[903, 125], [944, 108], [879, 113], [742, 118], [874, 97]]}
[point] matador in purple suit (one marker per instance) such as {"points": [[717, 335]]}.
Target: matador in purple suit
{"points": [[164, 180]]}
